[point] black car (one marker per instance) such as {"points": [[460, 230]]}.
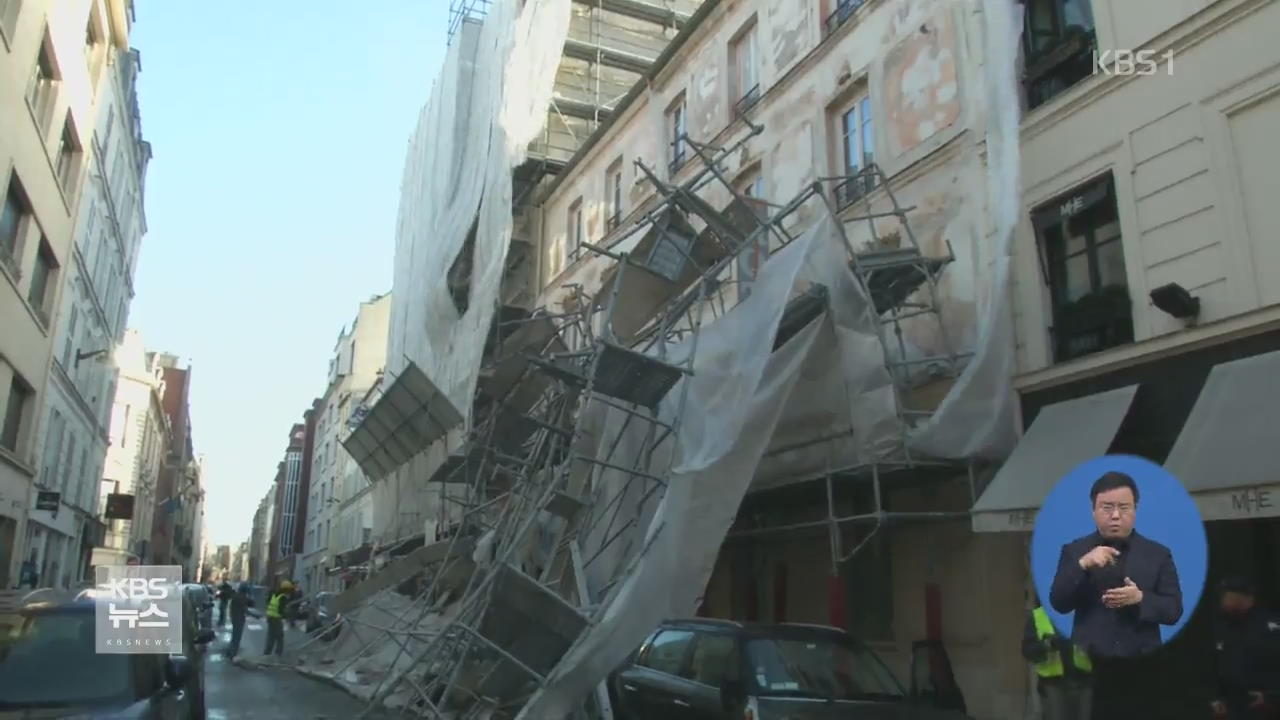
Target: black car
{"points": [[722, 670], [49, 668]]}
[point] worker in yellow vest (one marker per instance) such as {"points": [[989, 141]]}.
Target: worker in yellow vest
{"points": [[1064, 672], [275, 617]]}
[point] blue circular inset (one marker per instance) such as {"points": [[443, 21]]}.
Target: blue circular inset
{"points": [[1165, 513]]}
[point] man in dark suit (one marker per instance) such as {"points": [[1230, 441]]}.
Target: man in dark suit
{"points": [[1121, 586]]}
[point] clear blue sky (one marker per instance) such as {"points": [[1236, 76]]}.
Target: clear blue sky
{"points": [[279, 129]]}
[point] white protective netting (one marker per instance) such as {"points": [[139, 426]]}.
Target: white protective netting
{"points": [[489, 103]]}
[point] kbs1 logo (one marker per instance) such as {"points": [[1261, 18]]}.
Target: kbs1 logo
{"points": [[1130, 62], [138, 609]]}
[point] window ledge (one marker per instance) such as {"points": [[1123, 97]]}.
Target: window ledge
{"points": [[11, 458]]}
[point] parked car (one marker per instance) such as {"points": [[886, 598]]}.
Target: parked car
{"points": [[320, 614], [723, 670], [202, 602], [49, 668]]}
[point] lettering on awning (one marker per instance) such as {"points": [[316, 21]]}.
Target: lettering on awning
{"points": [[1253, 500]]}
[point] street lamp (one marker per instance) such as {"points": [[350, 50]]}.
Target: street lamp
{"points": [[91, 354]]}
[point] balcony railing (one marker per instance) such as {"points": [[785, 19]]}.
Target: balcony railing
{"points": [[841, 15], [678, 158], [1063, 63], [612, 222], [856, 186]]}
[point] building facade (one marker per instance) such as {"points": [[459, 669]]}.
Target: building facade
{"points": [[179, 493], [57, 59], [290, 502], [339, 508], [1145, 307], [93, 308], [137, 447]]}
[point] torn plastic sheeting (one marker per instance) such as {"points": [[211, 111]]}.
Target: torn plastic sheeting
{"points": [[489, 102], [976, 418], [737, 395]]}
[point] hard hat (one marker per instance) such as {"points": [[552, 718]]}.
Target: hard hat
{"points": [[286, 585]]}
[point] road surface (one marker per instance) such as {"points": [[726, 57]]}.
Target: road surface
{"points": [[236, 693]]}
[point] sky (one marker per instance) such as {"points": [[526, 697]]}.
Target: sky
{"points": [[279, 131]]}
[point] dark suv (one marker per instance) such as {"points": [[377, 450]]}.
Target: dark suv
{"points": [[49, 668], [722, 670]]}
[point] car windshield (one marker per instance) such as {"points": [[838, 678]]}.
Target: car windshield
{"points": [[829, 668], [49, 660]]}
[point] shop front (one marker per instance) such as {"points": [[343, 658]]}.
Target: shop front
{"points": [[1209, 415]]}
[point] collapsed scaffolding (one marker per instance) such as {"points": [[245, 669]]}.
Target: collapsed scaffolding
{"points": [[592, 499], [549, 488]]}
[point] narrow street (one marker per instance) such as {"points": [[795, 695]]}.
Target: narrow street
{"points": [[236, 693]]}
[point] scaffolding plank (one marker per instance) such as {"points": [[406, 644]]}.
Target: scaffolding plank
{"points": [[634, 377], [411, 414], [530, 623], [405, 568], [564, 505]]}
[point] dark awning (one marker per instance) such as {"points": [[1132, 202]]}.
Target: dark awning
{"points": [[1224, 455], [1062, 436], [410, 416]]}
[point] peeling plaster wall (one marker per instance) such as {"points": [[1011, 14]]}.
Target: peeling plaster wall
{"points": [[913, 57]]}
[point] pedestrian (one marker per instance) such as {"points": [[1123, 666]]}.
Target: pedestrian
{"points": [[1121, 585], [275, 617], [1246, 655], [1064, 674], [240, 603], [225, 592]]}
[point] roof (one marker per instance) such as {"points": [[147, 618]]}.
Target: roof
{"points": [[758, 629]]}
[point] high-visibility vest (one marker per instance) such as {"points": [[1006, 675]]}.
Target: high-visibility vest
{"points": [[273, 605], [1052, 666]]}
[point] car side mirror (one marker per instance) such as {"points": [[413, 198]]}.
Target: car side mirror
{"points": [[179, 671], [732, 694], [205, 636]]}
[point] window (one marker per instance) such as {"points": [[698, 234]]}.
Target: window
{"points": [[676, 124], [714, 659], [667, 652], [1083, 265], [69, 153], [71, 333], [613, 186], [44, 84], [9, 10], [94, 44], [12, 224], [42, 281], [857, 150], [573, 231], [1058, 47], [750, 259], [15, 413], [743, 58], [840, 13]]}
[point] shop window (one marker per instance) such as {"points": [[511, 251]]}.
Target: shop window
{"points": [[868, 578], [1082, 262], [1058, 47]]}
